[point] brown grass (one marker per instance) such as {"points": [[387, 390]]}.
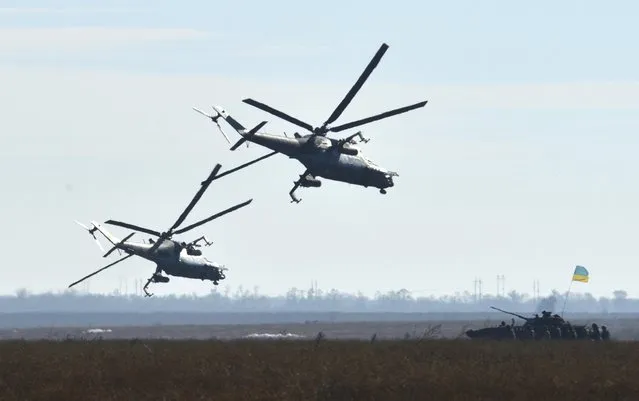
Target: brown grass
{"points": [[443, 370]]}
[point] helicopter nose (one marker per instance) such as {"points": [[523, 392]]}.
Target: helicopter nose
{"points": [[216, 267], [389, 181]]}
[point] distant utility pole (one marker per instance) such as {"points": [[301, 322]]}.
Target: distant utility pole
{"points": [[536, 290], [475, 289], [477, 283], [501, 286]]}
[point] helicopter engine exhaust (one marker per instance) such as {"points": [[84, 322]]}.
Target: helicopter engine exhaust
{"points": [[311, 182]]}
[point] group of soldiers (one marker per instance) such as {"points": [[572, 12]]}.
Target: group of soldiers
{"points": [[553, 327]]}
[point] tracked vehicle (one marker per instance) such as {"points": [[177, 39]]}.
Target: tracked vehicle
{"points": [[548, 326]]}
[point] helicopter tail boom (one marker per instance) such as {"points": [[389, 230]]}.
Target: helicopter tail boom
{"points": [[118, 245], [232, 122], [248, 135]]}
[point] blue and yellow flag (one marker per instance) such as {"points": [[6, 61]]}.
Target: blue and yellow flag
{"points": [[580, 274]]}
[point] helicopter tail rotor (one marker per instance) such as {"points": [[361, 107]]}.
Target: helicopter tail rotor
{"points": [[214, 119], [91, 231]]}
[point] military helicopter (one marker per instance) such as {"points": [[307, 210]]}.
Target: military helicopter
{"points": [[175, 258], [334, 159]]}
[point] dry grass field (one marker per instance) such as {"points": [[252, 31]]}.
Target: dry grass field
{"points": [[318, 370], [623, 329]]}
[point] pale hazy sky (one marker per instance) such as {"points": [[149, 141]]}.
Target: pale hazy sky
{"points": [[523, 163]]}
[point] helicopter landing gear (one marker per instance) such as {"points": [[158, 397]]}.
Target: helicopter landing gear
{"points": [[295, 186], [155, 278], [382, 191], [293, 197]]}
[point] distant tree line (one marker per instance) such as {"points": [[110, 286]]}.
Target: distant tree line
{"points": [[314, 300]]}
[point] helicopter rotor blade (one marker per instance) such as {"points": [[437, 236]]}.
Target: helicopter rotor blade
{"points": [[215, 216], [358, 85], [157, 243], [245, 165], [98, 243], [196, 198], [279, 114], [99, 270], [204, 185], [132, 227], [378, 117]]}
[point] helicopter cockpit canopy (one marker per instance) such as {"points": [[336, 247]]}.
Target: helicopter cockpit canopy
{"points": [[210, 263], [369, 161]]}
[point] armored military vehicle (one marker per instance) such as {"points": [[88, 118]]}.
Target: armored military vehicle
{"points": [[546, 326]]}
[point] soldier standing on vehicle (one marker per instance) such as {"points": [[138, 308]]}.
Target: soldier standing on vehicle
{"points": [[529, 333], [556, 333], [595, 335], [569, 332]]}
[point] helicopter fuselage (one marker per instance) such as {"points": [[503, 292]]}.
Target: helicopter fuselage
{"points": [[322, 158], [175, 260]]}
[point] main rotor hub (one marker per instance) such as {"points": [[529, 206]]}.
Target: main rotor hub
{"points": [[320, 130]]}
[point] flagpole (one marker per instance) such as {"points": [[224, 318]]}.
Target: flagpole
{"points": [[566, 299]]}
